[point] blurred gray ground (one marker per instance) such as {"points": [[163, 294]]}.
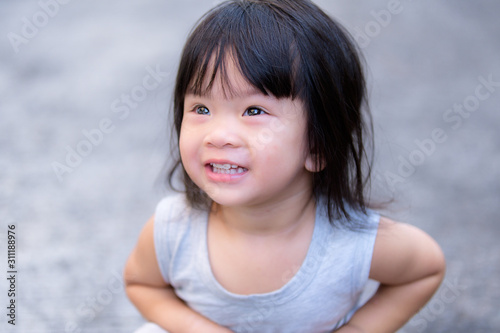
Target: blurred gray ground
{"points": [[76, 226]]}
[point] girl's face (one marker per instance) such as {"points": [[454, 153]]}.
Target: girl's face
{"points": [[244, 148]]}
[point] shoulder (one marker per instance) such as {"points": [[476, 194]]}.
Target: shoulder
{"points": [[174, 218], [354, 235], [171, 205], [141, 266], [175, 209], [353, 222], [403, 253]]}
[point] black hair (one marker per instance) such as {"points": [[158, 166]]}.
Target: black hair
{"points": [[288, 49]]}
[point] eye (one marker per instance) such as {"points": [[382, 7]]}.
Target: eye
{"points": [[200, 109], [253, 111]]}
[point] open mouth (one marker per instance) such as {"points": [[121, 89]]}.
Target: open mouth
{"points": [[227, 169]]}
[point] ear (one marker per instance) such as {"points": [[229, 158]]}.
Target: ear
{"points": [[313, 165]]}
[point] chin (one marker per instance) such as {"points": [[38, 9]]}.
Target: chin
{"points": [[227, 199]]}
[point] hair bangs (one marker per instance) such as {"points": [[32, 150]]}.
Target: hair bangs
{"points": [[252, 37]]}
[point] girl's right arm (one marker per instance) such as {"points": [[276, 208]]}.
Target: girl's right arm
{"points": [[155, 299]]}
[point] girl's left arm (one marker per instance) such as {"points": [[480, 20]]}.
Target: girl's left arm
{"points": [[410, 266]]}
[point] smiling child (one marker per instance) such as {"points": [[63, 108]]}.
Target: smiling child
{"points": [[273, 231]]}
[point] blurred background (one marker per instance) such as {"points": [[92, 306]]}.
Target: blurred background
{"points": [[85, 89]]}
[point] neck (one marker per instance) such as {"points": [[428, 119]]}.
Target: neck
{"points": [[270, 219]]}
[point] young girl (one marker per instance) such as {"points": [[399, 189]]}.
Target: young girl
{"points": [[273, 232]]}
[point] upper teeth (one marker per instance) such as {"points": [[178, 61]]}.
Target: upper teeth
{"points": [[224, 166], [227, 168]]}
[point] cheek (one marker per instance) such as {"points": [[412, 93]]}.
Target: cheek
{"points": [[292, 138], [277, 134], [187, 144], [287, 147], [182, 143]]}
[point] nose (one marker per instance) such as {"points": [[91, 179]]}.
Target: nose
{"points": [[223, 134]]}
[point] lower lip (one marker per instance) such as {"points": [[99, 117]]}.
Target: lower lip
{"points": [[222, 177]]}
